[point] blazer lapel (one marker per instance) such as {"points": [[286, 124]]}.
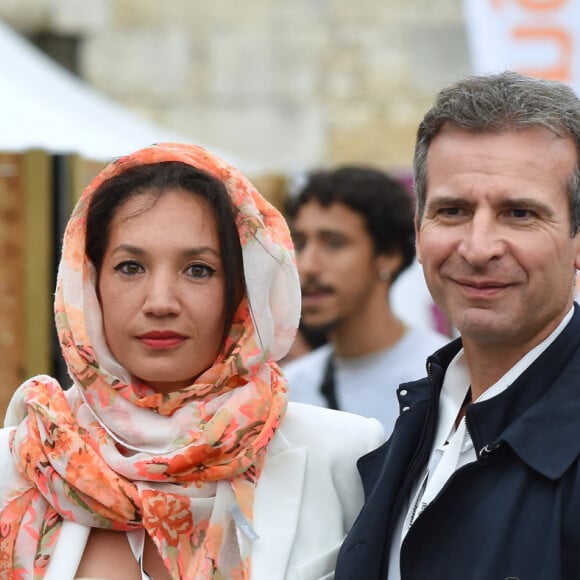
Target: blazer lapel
{"points": [[68, 551], [277, 508]]}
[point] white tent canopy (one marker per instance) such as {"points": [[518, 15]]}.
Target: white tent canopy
{"points": [[44, 106]]}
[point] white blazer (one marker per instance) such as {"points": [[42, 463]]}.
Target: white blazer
{"points": [[307, 497]]}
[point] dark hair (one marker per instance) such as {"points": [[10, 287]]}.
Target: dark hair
{"points": [[383, 201], [156, 179], [500, 102]]}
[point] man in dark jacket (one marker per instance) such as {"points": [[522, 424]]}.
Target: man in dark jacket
{"points": [[481, 477]]}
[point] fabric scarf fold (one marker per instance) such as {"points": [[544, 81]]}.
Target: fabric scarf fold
{"points": [[111, 453]]}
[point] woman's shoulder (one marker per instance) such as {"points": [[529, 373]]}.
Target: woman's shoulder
{"points": [[10, 478], [331, 442], [311, 425], [4, 443], [306, 413]]}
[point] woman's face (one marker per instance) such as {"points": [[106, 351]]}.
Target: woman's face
{"points": [[161, 289]]}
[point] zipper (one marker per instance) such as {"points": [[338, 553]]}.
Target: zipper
{"points": [[413, 471], [484, 453], [424, 450]]}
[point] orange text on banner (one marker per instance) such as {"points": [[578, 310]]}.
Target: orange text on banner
{"points": [[561, 70], [533, 5]]}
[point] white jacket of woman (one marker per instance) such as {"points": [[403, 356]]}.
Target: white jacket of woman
{"points": [[307, 498]]}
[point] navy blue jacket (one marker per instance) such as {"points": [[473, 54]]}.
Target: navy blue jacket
{"points": [[514, 513]]}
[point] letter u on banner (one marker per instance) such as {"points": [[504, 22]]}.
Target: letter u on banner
{"points": [[536, 37]]}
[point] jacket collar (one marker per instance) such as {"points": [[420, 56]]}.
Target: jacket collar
{"points": [[68, 551], [538, 416]]}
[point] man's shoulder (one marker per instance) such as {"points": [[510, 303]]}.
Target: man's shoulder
{"points": [[315, 359], [427, 338], [305, 375], [412, 351]]}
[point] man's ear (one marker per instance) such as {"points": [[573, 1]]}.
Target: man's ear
{"points": [[417, 237], [576, 242], [388, 264]]}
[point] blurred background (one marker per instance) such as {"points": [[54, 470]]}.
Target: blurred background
{"points": [[279, 85], [277, 88]]}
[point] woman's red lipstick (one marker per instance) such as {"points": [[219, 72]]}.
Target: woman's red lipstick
{"points": [[161, 339]]}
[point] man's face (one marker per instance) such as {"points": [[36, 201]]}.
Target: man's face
{"points": [[337, 264], [494, 240]]}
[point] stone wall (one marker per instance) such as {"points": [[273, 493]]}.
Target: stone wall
{"points": [[288, 84]]}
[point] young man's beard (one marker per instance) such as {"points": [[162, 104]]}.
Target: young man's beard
{"points": [[321, 329], [314, 336]]}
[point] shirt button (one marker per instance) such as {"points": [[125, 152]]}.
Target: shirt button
{"points": [[403, 392], [405, 409]]}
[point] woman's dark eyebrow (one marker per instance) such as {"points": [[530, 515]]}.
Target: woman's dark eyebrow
{"points": [[187, 252]]}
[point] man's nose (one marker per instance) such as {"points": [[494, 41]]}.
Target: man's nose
{"points": [[308, 260], [482, 240]]}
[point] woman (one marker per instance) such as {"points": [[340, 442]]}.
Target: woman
{"points": [[175, 453]]}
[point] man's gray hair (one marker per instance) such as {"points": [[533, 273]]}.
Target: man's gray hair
{"points": [[499, 102]]}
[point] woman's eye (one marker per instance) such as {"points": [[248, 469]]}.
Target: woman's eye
{"points": [[200, 271], [129, 267]]}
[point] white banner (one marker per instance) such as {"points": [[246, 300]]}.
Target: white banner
{"points": [[536, 37]]}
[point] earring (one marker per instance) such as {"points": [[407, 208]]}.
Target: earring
{"points": [[385, 275]]}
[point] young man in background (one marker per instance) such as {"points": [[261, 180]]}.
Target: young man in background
{"points": [[353, 233]]}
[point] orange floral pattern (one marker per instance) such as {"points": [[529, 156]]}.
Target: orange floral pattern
{"points": [[112, 454], [167, 516]]}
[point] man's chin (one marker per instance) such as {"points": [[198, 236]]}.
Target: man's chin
{"points": [[319, 325]]}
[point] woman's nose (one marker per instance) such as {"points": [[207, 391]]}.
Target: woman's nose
{"points": [[162, 295]]}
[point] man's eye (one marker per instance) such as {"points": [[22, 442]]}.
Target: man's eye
{"points": [[129, 267], [200, 271], [520, 213], [335, 243], [299, 245], [451, 211]]}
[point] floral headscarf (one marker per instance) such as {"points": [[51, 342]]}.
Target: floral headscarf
{"points": [[111, 454]]}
